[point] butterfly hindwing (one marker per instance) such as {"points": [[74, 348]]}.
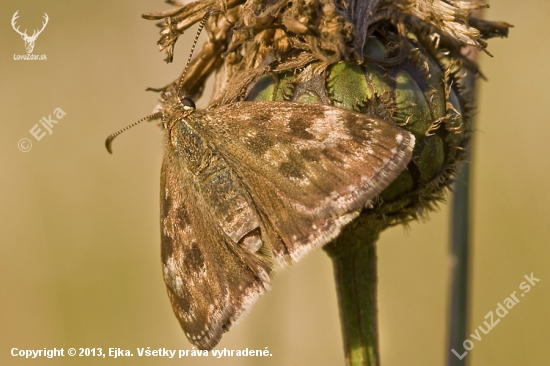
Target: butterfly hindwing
{"points": [[210, 279]]}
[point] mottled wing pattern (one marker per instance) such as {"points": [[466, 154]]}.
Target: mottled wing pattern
{"points": [[210, 280], [250, 182], [309, 168]]}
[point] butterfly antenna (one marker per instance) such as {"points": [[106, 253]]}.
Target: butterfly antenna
{"points": [[110, 139], [202, 23]]}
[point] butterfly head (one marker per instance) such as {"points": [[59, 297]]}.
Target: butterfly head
{"points": [[173, 106]]}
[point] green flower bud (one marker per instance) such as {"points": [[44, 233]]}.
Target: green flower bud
{"points": [[418, 92]]}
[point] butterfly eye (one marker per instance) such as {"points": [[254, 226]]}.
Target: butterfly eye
{"points": [[188, 102]]}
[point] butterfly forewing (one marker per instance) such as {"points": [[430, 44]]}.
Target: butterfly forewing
{"points": [[310, 168], [250, 183]]}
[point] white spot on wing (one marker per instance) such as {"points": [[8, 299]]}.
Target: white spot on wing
{"points": [[330, 136]]}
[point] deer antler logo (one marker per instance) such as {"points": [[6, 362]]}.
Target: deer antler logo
{"points": [[29, 40]]}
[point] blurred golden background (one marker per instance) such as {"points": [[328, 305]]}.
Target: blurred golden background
{"points": [[80, 244]]}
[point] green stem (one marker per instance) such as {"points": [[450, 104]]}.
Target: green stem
{"points": [[353, 256], [458, 316], [459, 250]]}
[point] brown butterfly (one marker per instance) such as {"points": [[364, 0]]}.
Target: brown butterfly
{"points": [[247, 187]]}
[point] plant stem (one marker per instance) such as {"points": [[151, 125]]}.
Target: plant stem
{"points": [[353, 256], [458, 316], [460, 248]]}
